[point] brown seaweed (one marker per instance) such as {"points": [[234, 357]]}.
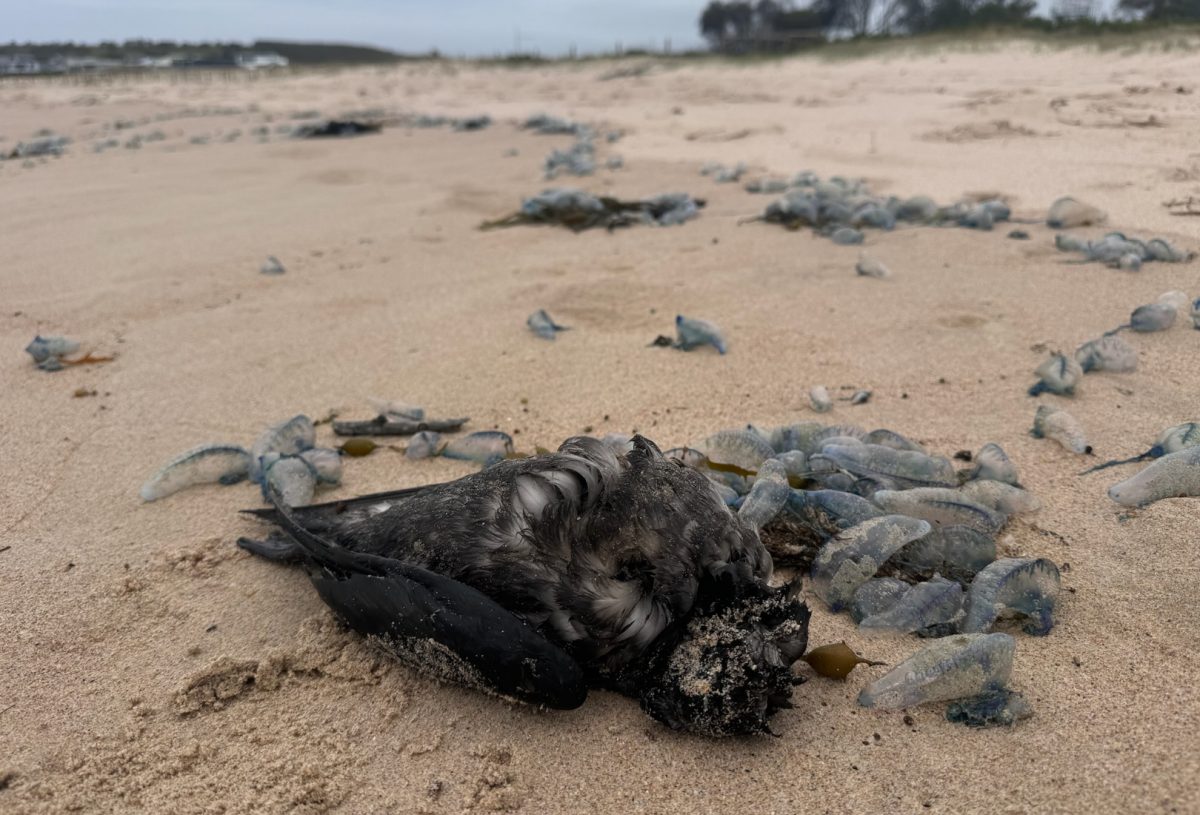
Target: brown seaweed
{"points": [[578, 210], [391, 426], [836, 661]]}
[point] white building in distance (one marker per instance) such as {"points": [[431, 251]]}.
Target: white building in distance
{"points": [[254, 60]]}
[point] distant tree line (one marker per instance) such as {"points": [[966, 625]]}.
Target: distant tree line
{"points": [[727, 24], [298, 53]]}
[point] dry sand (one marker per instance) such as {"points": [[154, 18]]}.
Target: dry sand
{"points": [[112, 609]]}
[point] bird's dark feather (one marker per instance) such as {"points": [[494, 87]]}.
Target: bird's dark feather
{"points": [[612, 558], [438, 624]]}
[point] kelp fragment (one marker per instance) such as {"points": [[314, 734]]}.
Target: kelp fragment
{"points": [[336, 128], [358, 446], [835, 661], [388, 426], [55, 353], [578, 210]]}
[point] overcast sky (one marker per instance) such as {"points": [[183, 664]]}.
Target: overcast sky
{"points": [[452, 26]]}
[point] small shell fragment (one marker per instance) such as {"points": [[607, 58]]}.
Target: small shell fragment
{"points": [[819, 398], [957, 667], [207, 464], [868, 266], [272, 266]]}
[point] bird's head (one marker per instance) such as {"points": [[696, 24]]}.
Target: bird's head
{"points": [[730, 670]]}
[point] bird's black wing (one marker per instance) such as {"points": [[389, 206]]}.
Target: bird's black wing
{"points": [[330, 509], [436, 624]]}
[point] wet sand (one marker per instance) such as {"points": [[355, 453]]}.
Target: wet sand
{"points": [[150, 666]]}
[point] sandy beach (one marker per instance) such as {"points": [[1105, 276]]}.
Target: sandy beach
{"points": [[152, 666]]}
